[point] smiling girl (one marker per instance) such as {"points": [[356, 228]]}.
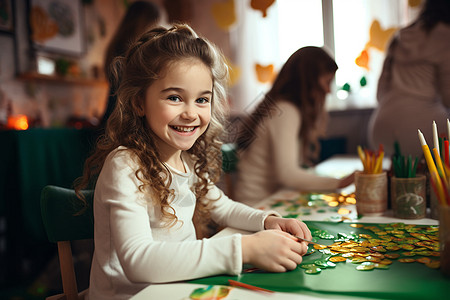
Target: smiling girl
{"points": [[156, 166]]}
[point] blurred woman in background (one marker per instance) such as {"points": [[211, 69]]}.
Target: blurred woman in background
{"points": [[281, 135], [414, 86], [140, 17]]}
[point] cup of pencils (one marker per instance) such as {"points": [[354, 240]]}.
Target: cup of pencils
{"points": [[439, 168], [408, 190], [371, 183]]}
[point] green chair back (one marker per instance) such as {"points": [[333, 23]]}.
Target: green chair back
{"points": [[60, 210]]}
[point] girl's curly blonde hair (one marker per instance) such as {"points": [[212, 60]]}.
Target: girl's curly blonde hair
{"points": [[143, 63]]}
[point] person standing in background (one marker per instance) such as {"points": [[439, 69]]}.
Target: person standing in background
{"points": [[139, 17], [414, 86], [281, 135]]}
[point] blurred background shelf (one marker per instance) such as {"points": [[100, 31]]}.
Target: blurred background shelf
{"points": [[32, 76]]}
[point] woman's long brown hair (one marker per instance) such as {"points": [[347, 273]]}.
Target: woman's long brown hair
{"points": [[298, 83]]}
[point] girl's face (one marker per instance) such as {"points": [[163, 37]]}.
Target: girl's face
{"points": [[178, 105], [325, 82]]}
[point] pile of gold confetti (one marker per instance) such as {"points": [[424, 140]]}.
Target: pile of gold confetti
{"points": [[398, 241]]}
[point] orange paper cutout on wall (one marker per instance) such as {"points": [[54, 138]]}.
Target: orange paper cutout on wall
{"points": [[234, 72], [265, 74], [379, 37], [414, 3], [224, 14], [261, 5], [363, 60]]}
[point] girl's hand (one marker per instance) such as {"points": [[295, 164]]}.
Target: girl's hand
{"points": [[272, 250], [292, 226]]}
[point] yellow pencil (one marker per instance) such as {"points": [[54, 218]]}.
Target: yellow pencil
{"points": [[432, 168], [379, 163], [439, 165], [362, 157]]}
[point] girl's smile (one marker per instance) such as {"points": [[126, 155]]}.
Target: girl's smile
{"points": [[178, 106], [183, 129]]}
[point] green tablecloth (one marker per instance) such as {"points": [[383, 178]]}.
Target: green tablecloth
{"points": [[29, 160], [400, 281], [34, 158]]}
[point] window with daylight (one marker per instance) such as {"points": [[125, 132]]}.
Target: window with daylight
{"points": [[353, 31]]}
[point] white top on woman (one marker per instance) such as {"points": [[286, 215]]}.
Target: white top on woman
{"points": [[274, 160], [413, 89]]}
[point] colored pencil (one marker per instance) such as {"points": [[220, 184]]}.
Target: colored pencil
{"points": [[437, 184], [439, 165], [435, 137], [446, 153], [248, 286], [448, 129], [372, 162], [362, 156]]}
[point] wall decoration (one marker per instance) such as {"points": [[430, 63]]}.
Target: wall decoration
{"points": [[414, 3], [56, 26], [261, 5], [224, 14], [380, 37], [265, 74], [235, 72], [363, 60], [6, 16]]}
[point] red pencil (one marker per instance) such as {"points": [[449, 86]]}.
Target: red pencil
{"points": [[248, 286], [446, 154]]}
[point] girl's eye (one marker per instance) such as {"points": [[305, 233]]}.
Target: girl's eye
{"points": [[202, 100], [174, 98]]}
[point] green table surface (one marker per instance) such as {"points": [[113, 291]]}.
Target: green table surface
{"points": [[400, 281]]}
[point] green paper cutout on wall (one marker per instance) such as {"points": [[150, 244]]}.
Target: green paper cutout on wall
{"points": [[363, 81], [346, 87]]}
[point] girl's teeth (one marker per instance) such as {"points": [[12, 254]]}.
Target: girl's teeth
{"points": [[185, 129]]}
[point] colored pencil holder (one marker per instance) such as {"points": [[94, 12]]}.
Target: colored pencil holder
{"points": [[371, 193], [408, 197], [444, 238]]}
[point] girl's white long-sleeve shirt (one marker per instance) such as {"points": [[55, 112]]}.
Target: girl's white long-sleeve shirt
{"points": [[133, 245]]}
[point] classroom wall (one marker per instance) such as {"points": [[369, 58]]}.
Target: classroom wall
{"points": [[351, 124], [54, 103]]}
